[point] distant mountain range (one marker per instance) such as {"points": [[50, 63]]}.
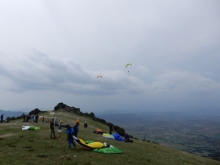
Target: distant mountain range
{"points": [[11, 113]]}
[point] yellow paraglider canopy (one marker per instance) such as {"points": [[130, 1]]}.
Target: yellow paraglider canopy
{"points": [[128, 65]]}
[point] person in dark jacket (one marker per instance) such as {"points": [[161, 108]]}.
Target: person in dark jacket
{"points": [[52, 129], [126, 139], [2, 118], [76, 129], [85, 125], [111, 128], [23, 117], [36, 118]]}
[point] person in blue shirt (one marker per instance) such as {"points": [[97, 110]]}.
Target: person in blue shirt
{"points": [[70, 132]]}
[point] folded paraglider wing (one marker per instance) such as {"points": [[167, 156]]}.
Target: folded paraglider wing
{"points": [[90, 146], [30, 127], [106, 135], [114, 136]]}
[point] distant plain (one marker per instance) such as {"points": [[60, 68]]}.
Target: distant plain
{"points": [[195, 132]]}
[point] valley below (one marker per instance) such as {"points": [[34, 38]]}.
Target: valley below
{"points": [[193, 132]]}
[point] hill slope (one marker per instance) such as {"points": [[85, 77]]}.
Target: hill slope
{"points": [[36, 147]]}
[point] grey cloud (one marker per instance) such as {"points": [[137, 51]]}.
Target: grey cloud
{"points": [[143, 69], [38, 71], [173, 46], [185, 83]]}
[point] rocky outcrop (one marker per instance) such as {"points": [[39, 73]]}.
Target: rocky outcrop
{"points": [[35, 111], [67, 108]]}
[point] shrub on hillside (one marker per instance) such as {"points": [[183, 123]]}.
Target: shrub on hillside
{"points": [[99, 120], [35, 111]]}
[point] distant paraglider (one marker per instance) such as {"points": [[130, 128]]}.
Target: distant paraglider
{"points": [[99, 77], [127, 65]]}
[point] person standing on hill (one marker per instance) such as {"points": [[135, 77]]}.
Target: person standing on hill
{"points": [[70, 132], [23, 117], [42, 119], [85, 125], [36, 118], [59, 130], [29, 118], [32, 118], [52, 129], [111, 128], [76, 129], [2, 118], [77, 120]]}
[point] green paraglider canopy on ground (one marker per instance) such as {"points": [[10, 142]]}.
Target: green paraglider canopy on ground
{"points": [[109, 150], [30, 127]]}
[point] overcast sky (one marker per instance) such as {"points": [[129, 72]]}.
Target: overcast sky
{"points": [[53, 51]]}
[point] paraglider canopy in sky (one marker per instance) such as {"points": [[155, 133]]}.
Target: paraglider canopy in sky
{"points": [[99, 77], [128, 65]]}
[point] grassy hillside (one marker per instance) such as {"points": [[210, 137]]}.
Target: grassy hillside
{"points": [[36, 147]]}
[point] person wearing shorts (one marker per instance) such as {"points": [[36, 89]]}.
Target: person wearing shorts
{"points": [[59, 130]]}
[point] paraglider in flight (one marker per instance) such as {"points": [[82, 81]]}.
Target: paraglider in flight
{"points": [[99, 77], [127, 65]]}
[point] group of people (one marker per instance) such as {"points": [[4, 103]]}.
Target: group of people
{"points": [[30, 118], [73, 131], [70, 131]]}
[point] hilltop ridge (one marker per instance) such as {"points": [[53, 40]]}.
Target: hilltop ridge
{"points": [[35, 147]]}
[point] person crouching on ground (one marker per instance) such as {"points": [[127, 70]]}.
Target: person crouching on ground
{"points": [[59, 130], [70, 132], [127, 138]]}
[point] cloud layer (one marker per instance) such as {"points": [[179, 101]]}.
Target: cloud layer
{"points": [[53, 52]]}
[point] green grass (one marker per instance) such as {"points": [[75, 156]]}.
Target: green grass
{"points": [[36, 148]]}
